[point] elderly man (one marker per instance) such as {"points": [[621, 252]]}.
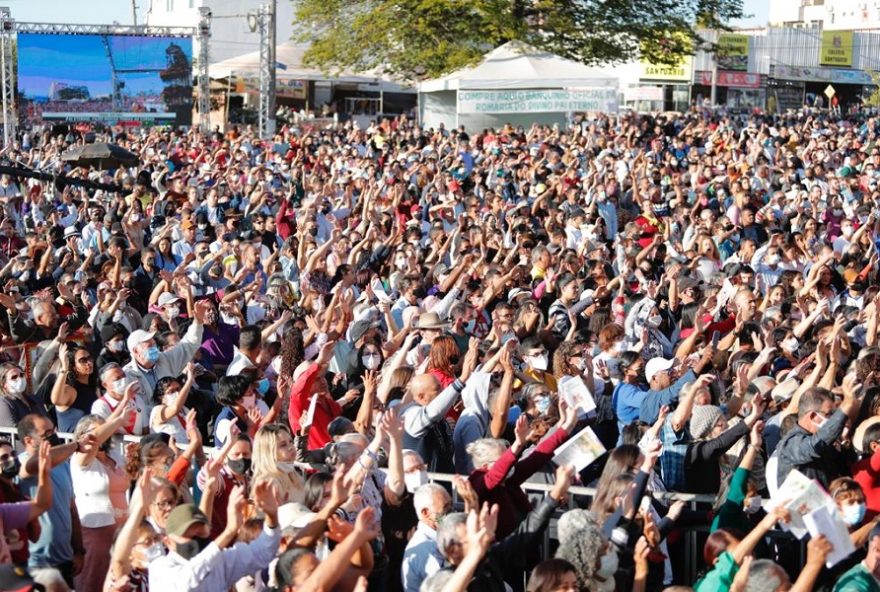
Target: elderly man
{"points": [[422, 557], [149, 364], [424, 419]]}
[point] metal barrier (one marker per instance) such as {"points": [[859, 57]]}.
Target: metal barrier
{"points": [[693, 554]]}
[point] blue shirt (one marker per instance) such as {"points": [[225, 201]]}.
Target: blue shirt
{"points": [[56, 526]]}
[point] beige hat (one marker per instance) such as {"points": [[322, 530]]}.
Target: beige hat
{"points": [[431, 320]]}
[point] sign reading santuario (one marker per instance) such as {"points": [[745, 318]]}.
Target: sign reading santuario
{"points": [[537, 101]]}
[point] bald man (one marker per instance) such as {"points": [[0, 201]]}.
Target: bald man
{"points": [[424, 419]]}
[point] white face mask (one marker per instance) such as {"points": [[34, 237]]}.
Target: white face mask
{"points": [[654, 321], [17, 386], [773, 260], [154, 551], [170, 398], [173, 312], [371, 361], [753, 505], [790, 344], [286, 467], [118, 386], [415, 479], [846, 231], [115, 346], [608, 565], [538, 362]]}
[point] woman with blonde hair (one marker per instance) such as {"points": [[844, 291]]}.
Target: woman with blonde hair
{"points": [[273, 461]]}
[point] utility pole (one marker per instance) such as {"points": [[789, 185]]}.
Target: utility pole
{"points": [[134, 12]]}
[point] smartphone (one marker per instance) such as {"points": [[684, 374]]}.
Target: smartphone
{"points": [[716, 337]]}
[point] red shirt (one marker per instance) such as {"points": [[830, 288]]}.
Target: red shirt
{"points": [[866, 472], [326, 410]]}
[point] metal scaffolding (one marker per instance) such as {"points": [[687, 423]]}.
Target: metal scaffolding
{"points": [[266, 23], [7, 65], [204, 81]]}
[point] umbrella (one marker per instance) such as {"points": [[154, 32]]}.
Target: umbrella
{"points": [[101, 155]]}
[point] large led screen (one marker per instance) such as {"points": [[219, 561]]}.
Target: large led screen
{"points": [[115, 79]]}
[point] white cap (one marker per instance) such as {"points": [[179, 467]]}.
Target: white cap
{"points": [[138, 337], [657, 365], [167, 298]]}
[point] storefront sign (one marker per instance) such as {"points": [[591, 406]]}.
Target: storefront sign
{"points": [[680, 72], [538, 101], [833, 75], [733, 52], [643, 93], [836, 48], [287, 89], [734, 79]]}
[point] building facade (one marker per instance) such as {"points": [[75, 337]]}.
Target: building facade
{"points": [[831, 15]]}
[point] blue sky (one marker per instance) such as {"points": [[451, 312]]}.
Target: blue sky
{"points": [[82, 60]]}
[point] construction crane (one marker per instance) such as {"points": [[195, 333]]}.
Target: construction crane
{"points": [[118, 85]]}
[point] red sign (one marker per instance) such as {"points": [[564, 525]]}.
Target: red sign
{"points": [[728, 78]]}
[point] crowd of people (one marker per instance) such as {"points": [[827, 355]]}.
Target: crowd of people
{"points": [[298, 331]]}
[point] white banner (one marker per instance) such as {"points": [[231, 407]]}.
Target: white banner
{"points": [[538, 101]]}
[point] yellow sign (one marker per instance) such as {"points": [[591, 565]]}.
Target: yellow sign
{"points": [[680, 72], [836, 49], [733, 52]]}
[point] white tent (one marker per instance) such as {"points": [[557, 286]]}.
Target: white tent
{"points": [[518, 84], [289, 60]]}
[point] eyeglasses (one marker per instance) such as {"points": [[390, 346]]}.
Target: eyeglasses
{"points": [[166, 505], [86, 360]]}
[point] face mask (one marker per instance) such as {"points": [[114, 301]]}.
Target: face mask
{"points": [[10, 468], [192, 548], [469, 327], [542, 404], [239, 466], [753, 505], [608, 565], [154, 551], [620, 347], [17, 386], [173, 312], [655, 321], [853, 514], [119, 385], [152, 355], [263, 386], [790, 344], [773, 260], [837, 212], [371, 361], [170, 398], [203, 226], [538, 362], [400, 262], [846, 231], [819, 421], [116, 346], [54, 440], [286, 467], [414, 480], [734, 237]]}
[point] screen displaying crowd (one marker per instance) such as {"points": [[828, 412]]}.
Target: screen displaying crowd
{"points": [[300, 330]]}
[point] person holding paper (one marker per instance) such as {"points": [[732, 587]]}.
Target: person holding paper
{"points": [[493, 462], [809, 446], [864, 577], [309, 379]]}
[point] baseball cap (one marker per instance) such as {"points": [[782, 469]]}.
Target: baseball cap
{"points": [[187, 224], [71, 231], [167, 298], [137, 337], [15, 579], [182, 517], [657, 365]]}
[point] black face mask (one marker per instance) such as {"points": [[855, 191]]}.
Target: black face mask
{"points": [[10, 468], [239, 466], [54, 440], [192, 547]]}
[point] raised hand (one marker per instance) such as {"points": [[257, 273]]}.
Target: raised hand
{"points": [[466, 492], [564, 474]]}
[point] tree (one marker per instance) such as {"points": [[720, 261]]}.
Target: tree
{"points": [[427, 38], [872, 99]]}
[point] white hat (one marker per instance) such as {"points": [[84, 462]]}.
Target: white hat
{"points": [[138, 337], [657, 365], [167, 298], [294, 515]]}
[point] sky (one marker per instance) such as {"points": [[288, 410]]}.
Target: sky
{"points": [[81, 60], [108, 11]]}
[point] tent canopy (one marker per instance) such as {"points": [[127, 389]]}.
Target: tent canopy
{"points": [[516, 65], [289, 60]]}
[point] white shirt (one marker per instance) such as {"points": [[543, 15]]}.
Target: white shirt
{"points": [[105, 405], [239, 362], [91, 486], [214, 569], [421, 558]]}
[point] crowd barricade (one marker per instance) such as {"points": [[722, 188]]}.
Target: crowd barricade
{"points": [[694, 501]]}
